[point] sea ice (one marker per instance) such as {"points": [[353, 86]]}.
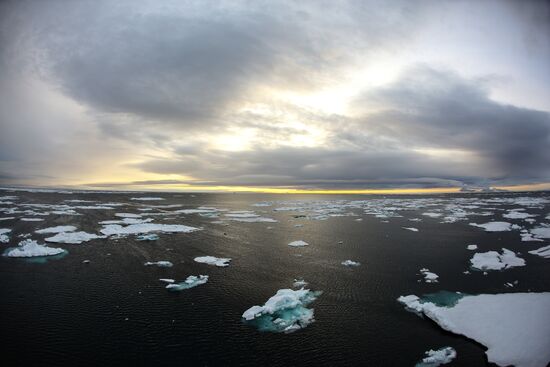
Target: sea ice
{"points": [[472, 247], [411, 229], [513, 326], [492, 260], [57, 229], [285, 312], [147, 198], [299, 283], [73, 237], [147, 237], [299, 243], [4, 238], [32, 219], [162, 264], [350, 263], [494, 226], [190, 282], [167, 280], [211, 260], [7, 218], [542, 251], [541, 232], [127, 215], [516, 214], [31, 248], [435, 358]]}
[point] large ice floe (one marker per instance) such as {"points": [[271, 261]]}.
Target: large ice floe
{"points": [[495, 226], [211, 260], [4, 238], [57, 229], [285, 312], [492, 260], [299, 243], [513, 326], [31, 248], [117, 229], [435, 358], [190, 282], [74, 238]]}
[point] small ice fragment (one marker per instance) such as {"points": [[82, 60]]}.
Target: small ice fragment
{"points": [[167, 280], [190, 282], [162, 264], [211, 260], [299, 243], [411, 229], [435, 358], [147, 237], [472, 247], [350, 263]]}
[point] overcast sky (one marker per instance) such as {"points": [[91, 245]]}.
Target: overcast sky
{"points": [[274, 94]]}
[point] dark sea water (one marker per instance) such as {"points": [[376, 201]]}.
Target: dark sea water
{"points": [[113, 311]]}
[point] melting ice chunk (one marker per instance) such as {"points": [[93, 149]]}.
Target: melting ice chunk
{"points": [[211, 260], [162, 264], [285, 312], [57, 229], [492, 260], [350, 263], [30, 248], [298, 243], [73, 237], [435, 358], [190, 282]]}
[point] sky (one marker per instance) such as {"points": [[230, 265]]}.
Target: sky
{"points": [[275, 96]]}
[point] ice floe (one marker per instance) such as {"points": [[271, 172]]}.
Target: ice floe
{"points": [[73, 237], [56, 229], [32, 219], [472, 247], [492, 260], [350, 263], [4, 238], [542, 251], [299, 243], [435, 358], [31, 248], [517, 214], [147, 237], [412, 229], [494, 226], [162, 264], [211, 260], [513, 326], [147, 198], [541, 232], [299, 283], [429, 277], [117, 229], [190, 282], [285, 312], [167, 280], [7, 218]]}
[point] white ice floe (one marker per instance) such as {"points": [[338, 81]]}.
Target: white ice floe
{"points": [[435, 358], [7, 218], [127, 221], [299, 283], [350, 263], [528, 237], [167, 280], [31, 248], [542, 251], [73, 237], [299, 243], [145, 198], [412, 229], [285, 312], [472, 247], [429, 277], [190, 282], [517, 214], [162, 264], [32, 219], [4, 238], [116, 229], [57, 229], [492, 260], [432, 215], [211, 260], [513, 326], [495, 226], [541, 232], [127, 215]]}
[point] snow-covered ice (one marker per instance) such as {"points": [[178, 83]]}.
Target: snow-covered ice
{"points": [[429, 277], [190, 282], [31, 248], [542, 251], [513, 326], [435, 358], [492, 260], [285, 312], [167, 280], [541, 232], [211, 260], [4, 238], [350, 263], [162, 264], [73, 237], [494, 226], [57, 229], [299, 243], [117, 229], [472, 247]]}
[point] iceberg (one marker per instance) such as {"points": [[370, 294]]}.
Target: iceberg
{"points": [[57, 229], [162, 264], [513, 326], [74, 238], [492, 260], [31, 248], [435, 358], [285, 312], [190, 282], [211, 260], [299, 243], [350, 263]]}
